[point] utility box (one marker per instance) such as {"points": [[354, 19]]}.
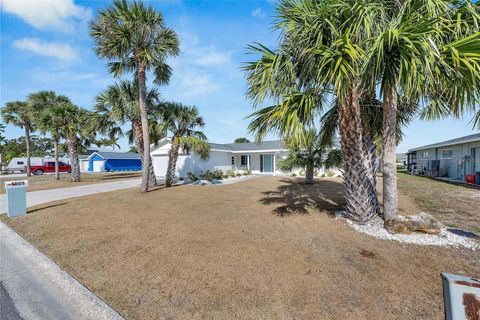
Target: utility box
{"points": [[461, 296], [16, 198]]}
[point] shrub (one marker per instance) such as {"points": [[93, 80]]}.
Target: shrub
{"points": [[316, 173], [230, 173], [323, 175], [294, 174], [330, 173], [301, 173], [248, 172], [181, 179], [192, 177], [239, 174]]}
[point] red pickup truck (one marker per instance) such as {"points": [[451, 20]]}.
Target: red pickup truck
{"points": [[49, 166]]}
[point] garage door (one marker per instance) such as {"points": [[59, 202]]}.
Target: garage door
{"points": [[160, 164], [98, 165]]}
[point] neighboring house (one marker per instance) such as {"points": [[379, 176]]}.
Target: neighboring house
{"points": [[455, 159], [114, 161], [262, 158], [401, 159]]}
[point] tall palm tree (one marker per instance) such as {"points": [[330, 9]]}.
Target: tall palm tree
{"points": [[51, 121], [181, 121], [118, 105], [19, 114], [42, 104], [278, 76], [68, 121], [427, 51], [310, 154], [135, 39]]}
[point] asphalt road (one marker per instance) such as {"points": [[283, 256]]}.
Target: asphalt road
{"points": [[7, 308]]}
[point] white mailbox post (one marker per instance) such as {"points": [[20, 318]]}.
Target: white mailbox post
{"points": [[462, 297], [16, 198]]}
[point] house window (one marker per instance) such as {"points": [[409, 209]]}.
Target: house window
{"points": [[425, 155], [447, 154], [243, 160], [233, 161]]}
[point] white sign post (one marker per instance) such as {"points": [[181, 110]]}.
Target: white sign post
{"points": [[16, 198]]}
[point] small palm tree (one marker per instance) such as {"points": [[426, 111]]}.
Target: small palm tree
{"points": [[19, 114], [135, 39], [118, 105], [107, 142], [310, 154], [181, 121], [45, 109]]}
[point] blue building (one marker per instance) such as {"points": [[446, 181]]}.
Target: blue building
{"points": [[114, 161]]}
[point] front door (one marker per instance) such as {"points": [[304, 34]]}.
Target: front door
{"points": [[267, 163]]}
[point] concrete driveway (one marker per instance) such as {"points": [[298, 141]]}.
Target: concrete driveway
{"points": [[44, 196]]}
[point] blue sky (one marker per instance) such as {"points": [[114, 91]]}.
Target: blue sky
{"points": [[45, 46]]}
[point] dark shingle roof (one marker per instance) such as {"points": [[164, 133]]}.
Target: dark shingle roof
{"points": [[469, 138], [118, 155], [250, 146]]}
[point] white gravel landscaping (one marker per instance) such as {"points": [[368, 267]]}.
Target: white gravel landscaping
{"points": [[446, 238], [223, 181]]}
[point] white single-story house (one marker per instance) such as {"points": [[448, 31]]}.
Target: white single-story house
{"points": [[260, 158], [457, 159]]}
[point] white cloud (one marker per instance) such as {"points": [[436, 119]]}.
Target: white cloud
{"points": [[259, 13], [195, 83], [214, 58], [59, 15], [61, 51]]}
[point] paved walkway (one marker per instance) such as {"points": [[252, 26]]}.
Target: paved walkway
{"points": [[36, 288], [44, 196]]}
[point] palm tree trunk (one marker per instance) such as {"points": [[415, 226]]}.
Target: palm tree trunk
{"points": [[138, 140], [57, 169], [390, 197], [309, 174], [142, 97], [74, 162], [27, 143], [360, 191], [172, 163]]}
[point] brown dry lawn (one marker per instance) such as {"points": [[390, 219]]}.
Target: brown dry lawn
{"points": [[455, 206], [47, 181], [267, 248]]}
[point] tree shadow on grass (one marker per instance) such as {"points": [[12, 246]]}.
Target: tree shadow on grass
{"points": [[46, 207], [115, 176], [296, 197]]}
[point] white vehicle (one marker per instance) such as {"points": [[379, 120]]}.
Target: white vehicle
{"points": [[20, 164]]}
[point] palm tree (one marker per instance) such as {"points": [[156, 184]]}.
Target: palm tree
{"points": [[118, 105], [310, 154], [278, 76], [427, 51], [44, 105], [135, 39], [68, 121], [3, 139], [51, 121], [181, 121], [107, 142], [19, 114]]}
